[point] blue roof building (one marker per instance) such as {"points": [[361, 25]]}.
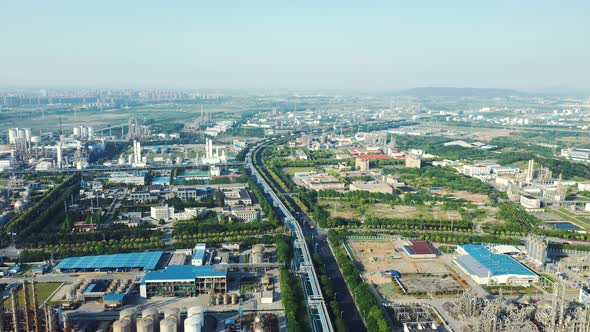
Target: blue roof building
{"points": [[486, 267], [137, 261], [199, 254], [184, 280]]}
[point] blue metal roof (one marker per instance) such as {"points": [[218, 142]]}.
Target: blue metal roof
{"points": [[199, 251], [496, 264], [147, 260], [114, 297], [186, 272]]}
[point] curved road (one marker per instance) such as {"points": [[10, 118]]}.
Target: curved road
{"points": [[349, 312]]}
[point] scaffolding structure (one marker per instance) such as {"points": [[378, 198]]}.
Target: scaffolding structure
{"points": [[28, 317]]}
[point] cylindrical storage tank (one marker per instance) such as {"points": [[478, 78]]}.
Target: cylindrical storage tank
{"points": [[122, 325], [192, 324], [152, 313], [169, 325], [145, 324], [12, 134], [171, 312], [76, 131], [194, 311], [219, 299], [234, 298], [226, 299], [130, 315], [28, 134]]}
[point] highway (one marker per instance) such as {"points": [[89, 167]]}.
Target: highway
{"points": [[316, 307], [348, 308]]}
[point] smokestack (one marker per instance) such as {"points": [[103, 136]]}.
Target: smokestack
{"points": [[35, 307], [26, 305], [14, 298]]}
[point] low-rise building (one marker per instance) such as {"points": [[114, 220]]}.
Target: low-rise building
{"points": [[137, 179], [488, 268], [162, 212], [530, 202], [319, 181], [238, 196]]}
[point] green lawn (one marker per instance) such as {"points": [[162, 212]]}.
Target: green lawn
{"points": [[293, 170], [44, 290]]}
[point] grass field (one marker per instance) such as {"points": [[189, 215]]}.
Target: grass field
{"points": [[343, 209], [293, 170], [44, 290]]}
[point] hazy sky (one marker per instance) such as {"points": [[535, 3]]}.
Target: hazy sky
{"points": [[526, 44]]}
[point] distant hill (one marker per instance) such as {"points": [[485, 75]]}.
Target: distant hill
{"points": [[461, 92]]}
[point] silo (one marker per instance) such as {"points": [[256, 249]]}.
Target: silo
{"points": [[218, 299], [28, 134], [76, 131], [146, 324], [90, 133], [234, 298], [130, 315], [122, 325], [169, 324], [171, 312], [192, 324], [12, 135], [226, 299], [153, 314], [194, 311]]}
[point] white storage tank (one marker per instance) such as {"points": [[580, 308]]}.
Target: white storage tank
{"points": [[152, 313], [146, 324], [192, 324], [169, 325], [122, 325], [194, 311], [130, 315]]}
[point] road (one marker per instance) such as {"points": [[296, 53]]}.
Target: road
{"points": [[349, 313]]}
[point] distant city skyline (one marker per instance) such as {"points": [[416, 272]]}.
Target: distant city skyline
{"points": [[383, 45]]}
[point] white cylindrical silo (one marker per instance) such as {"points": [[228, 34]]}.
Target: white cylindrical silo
{"points": [[170, 324], [12, 135], [146, 324], [192, 324], [194, 311], [122, 325], [129, 314]]}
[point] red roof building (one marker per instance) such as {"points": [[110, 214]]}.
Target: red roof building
{"points": [[372, 156], [421, 249]]}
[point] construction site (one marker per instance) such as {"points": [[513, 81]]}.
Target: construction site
{"points": [[394, 269], [30, 315]]}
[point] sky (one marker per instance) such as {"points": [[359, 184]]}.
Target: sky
{"points": [[385, 45]]}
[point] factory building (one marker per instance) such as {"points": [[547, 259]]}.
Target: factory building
{"points": [[184, 281], [421, 249], [488, 268], [199, 254], [536, 248], [530, 202]]}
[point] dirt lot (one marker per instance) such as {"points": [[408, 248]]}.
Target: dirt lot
{"points": [[431, 284], [377, 257], [470, 197], [348, 210]]}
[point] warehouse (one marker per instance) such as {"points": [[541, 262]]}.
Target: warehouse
{"points": [[137, 261], [488, 268], [421, 249], [184, 281]]}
